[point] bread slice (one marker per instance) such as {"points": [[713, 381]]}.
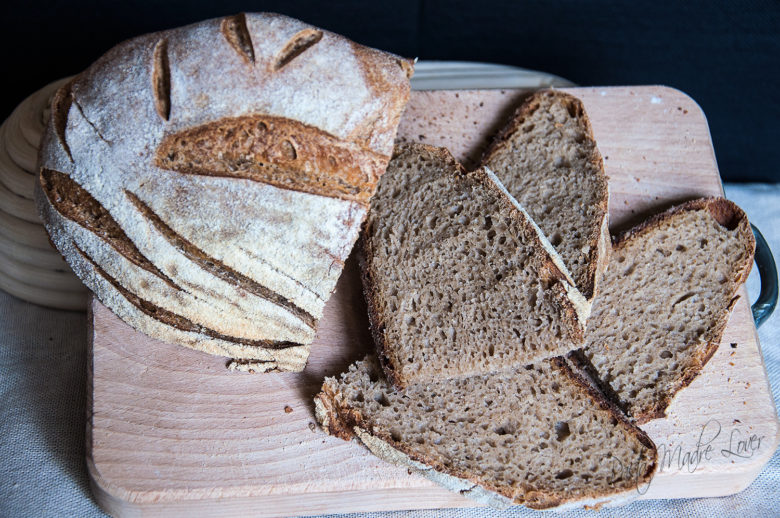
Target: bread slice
{"points": [[458, 279], [208, 182], [547, 158], [538, 436], [665, 302]]}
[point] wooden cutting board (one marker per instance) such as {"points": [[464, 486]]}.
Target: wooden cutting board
{"points": [[171, 431]]}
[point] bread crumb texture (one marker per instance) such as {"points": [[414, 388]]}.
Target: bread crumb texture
{"points": [[537, 436], [457, 278], [665, 301], [548, 160]]}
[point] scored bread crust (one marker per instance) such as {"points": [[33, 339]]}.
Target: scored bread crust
{"points": [[225, 193], [599, 237], [339, 419], [729, 215], [573, 308]]}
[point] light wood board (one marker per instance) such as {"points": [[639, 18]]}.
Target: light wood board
{"points": [[172, 431]]}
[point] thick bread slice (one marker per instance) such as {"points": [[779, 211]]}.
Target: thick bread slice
{"points": [[458, 279], [208, 182], [547, 158], [665, 301], [538, 436]]}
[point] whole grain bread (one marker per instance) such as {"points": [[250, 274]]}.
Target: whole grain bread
{"points": [[547, 158], [665, 301], [538, 436], [208, 182], [458, 279]]}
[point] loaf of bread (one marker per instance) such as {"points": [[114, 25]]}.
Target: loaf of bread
{"points": [[665, 301], [538, 436], [208, 182], [458, 279], [547, 158]]}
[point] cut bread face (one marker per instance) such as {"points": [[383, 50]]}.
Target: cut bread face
{"points": [[665, 301], [539, 436], [212, 203], [548, 160], [458, 279]]}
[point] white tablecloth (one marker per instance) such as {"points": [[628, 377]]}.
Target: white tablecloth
{"points": [[42, 409]]}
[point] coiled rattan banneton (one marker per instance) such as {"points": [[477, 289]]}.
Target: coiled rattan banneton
{"points": [[30, 268]]}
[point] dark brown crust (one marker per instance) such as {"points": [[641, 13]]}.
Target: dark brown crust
{"points": [[277, 151], [728, 214], [549, 272], [587, 285], [172, 319], [342, 419], [216, 267], [76, 204], [236, 33], [586, 369]]}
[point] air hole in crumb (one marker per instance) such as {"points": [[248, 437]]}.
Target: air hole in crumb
{"points": [[563, 475], [381, 399], [288, 150], [562, 430], [680, 248], [556, 239], [506, 429], [665, 355]]}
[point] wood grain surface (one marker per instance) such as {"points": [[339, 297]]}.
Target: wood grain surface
{"points": [[171, 431]]}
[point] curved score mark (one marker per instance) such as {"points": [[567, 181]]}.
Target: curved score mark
{"points": [[237, 34], [60, 107], [161, 79], [216, 267], [297, 45]]}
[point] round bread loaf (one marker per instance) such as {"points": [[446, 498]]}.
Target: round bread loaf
{"points": [[208, 182]]}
